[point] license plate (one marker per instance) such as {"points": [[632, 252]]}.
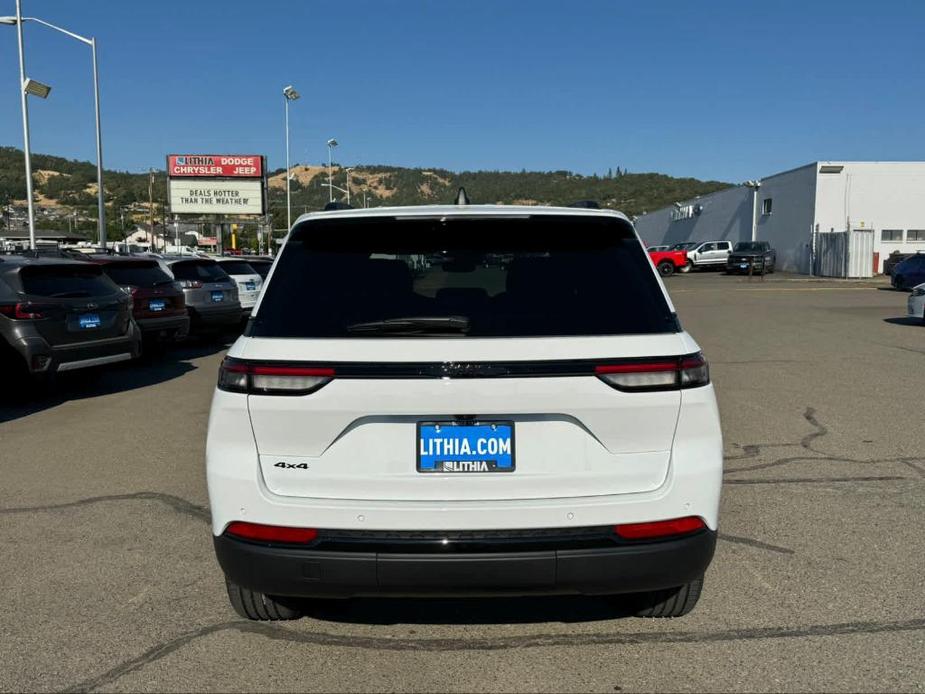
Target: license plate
{"points": [[156, 304], [743, 265], [89, 320], [463, 447], [250, 286], [218, 297]]}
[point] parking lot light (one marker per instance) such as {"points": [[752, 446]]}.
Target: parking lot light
{"points": [[290, 94]]}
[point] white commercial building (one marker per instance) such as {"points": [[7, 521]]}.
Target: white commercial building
{"points": [[793, 209]]}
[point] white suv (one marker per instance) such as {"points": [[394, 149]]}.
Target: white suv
{"points": [[463, 400]]}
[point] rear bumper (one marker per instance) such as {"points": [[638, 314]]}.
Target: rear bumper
{"points": [[209, 317], [756, 264], [300, 572], [173, 326], [40, 357]]}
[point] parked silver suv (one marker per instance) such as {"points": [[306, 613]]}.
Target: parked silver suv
{"points": [[211, 295]]}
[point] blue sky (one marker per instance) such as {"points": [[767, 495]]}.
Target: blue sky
{"points": [[721, 90]]}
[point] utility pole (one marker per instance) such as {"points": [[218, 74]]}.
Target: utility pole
{"points": [[151, 206], [27, 149]]}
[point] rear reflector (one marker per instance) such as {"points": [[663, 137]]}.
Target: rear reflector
{"points": [[239, 376], [659, 529], [656, 374], [271, 533]]}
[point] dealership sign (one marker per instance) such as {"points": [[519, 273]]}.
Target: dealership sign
{"points": [[215, 165], [217, 184], [229, 197]]}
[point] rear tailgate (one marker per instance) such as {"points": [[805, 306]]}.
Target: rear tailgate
{"points": [[573, 435], [78, 302], [458, 321]]}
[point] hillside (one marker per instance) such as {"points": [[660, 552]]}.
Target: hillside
{"points": [[71, 184]]}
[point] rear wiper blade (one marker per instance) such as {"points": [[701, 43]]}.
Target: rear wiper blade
{"points": [[413, 324]]}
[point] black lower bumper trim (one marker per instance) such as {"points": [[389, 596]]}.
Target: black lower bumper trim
{"points": [[628, 568]]}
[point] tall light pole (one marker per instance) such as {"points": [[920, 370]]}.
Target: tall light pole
{"points": [[27, 150], [348, 170], [754, 185], [289, 94], [100, 194], [332, 143]]}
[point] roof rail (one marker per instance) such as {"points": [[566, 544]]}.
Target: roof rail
{"points": [[587, 204], [461, 197], [337, 206]]}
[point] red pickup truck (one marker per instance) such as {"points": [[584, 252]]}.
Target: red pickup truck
{"points": [[668, 262]]}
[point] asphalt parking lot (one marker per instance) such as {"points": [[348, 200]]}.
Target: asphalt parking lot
{"points": [[109, 582]]}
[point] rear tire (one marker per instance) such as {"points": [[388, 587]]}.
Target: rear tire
{"points": [[688, 267], [898, 282], [671, 602], [251, 604], [666, 268]]}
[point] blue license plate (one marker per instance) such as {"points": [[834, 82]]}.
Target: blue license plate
{"points": [[463, 447], [218, 297], [156, 304], [744, 266], [89, 320], [250, 286]]}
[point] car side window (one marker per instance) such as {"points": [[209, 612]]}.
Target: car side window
{"points": [[725, 246], [705, 248]]}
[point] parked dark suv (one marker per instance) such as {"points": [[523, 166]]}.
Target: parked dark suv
{"points": [[909, 273], [751, 257], [61, 315], [160, 307]]}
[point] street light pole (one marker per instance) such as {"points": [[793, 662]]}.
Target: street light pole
{"points": [[754, 185], [27, 149], [100, 193], [332, 143], [289, 94], [348, 170]]}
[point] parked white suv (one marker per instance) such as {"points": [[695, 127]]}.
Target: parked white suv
{"points": [[248, 280], [520, 414]]}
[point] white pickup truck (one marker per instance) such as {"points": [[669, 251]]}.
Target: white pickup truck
{"points": [[705, 254]]}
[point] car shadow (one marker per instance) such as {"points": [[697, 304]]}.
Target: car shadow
{"points": [[462, 611], [905, 320], [158, 367]]}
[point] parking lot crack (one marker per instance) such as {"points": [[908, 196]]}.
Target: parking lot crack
{"points": [[176, 503], [570, 639], [758, 544], [810, 416]]}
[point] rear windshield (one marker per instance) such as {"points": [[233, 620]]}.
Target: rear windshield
{"points": [[66, 281], [146, 274], [514, 277], [201, 270], [237, 267]]}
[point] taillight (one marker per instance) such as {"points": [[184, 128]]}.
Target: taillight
{"points": [[656, 374], [271, 533], [23, 311], [659, 529], [190, 284], [263, 378]]}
